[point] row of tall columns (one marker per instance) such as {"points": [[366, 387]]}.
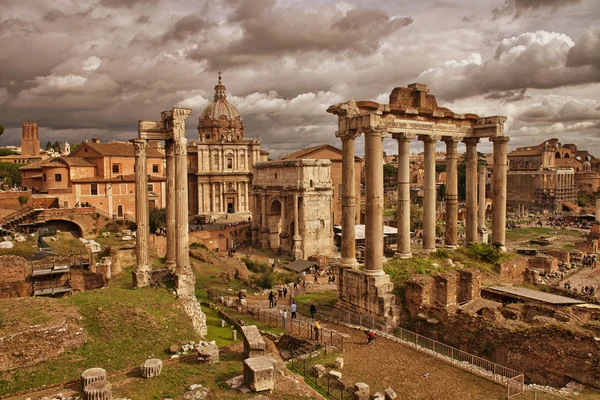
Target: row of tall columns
{"points": [[481, 227], [374, 201]]}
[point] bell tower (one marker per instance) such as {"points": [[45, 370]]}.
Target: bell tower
{"points": [[30, 144]]}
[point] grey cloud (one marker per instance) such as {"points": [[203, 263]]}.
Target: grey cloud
{"points": [[586, 51], [517, 8], [125, 3], [570, 111], [53, 15], [186, 26], [508, 97]]}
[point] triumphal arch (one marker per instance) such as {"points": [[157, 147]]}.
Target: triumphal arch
{"points": [[170, 129], [411, 114]]}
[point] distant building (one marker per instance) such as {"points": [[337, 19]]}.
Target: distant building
{"points": [[101, 174], [537, 180], [30, 146], [332, 153]]}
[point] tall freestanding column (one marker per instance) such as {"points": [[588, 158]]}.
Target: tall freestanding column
{"points": [[184, 277], [348, 201], [482, 173], [171, 235], [499, 185], [374, 206], [471, 181], [141, 275], [296, 239], [429, 192], [403, 213], [451, 236], [264, 227]]}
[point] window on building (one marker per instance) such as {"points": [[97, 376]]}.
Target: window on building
{"points": [[94, 189], [151, 187], [275, 175], [58, 177], [116, 168], [229, 163], [44, 177], [216, 160], [155, 168]]}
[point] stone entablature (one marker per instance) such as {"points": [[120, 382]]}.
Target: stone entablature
{"points": [[292, 206]]}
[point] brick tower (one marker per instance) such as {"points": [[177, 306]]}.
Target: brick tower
{"points": [[30, 144]]}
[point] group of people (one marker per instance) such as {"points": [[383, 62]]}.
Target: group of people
{"points": [[589, 261], [587, 290], [86, 204], [281, 291]]}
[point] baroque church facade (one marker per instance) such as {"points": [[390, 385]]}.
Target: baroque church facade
{"points": [[220, 163]]}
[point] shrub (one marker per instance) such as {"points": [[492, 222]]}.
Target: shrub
{"points": [[23, 200], [256, 266], [266, 279], [485, 252]]}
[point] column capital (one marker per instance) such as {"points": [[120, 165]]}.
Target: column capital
{"points": [[370, 130], [348, 134], [429, 138], [451, 140], [500, 139], [403, 136], [471, 141], [169, 148], [140, 146], [180, 145]]}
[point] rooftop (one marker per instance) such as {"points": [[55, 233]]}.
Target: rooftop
{"points": [[536, 295]]}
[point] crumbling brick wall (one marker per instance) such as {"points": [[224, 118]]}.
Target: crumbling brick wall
{"points": [[544, 263], [468, 285], [512, 271]]}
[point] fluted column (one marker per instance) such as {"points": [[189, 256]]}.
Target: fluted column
{"points": [[429, 192], [403, 213], [348, 259], [170, 173], [184, 277], [296, 248], [482, 173], [499, 184], [471, 181], [451, 235], [141, 275], [374, 206]]}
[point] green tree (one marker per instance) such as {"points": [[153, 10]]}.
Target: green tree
{"points": [[441, 192], [1, 130], [389, 170], [416, 217], [7, 152], [10, 171], [48, 145], [56, 147], [157, 219]]}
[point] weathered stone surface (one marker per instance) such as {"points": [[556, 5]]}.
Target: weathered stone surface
{"points": [[208, 353], [361, 391], [92, 375], [339, 363], [194, 311], [318, 371], [196, 392], [259, 373], [99, 390], [174, 349], [378, 396], [236, 382], [254, 344], [151, 368], [335, 374], [390, 394]]}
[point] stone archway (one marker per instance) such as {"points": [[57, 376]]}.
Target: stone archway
{"points": [[274, 223]]}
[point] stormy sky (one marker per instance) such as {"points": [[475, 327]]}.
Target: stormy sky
{"points": [[82, 68]]}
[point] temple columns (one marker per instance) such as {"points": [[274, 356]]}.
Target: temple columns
{"points": [[374, 201], [296, 248], [403, 213], [451, 235], [170, 207], [499, 185], [471, 186], [429, 193], [482, 174], [348, 259], [141, 275]]}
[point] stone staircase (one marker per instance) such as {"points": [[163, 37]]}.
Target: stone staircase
{"points": [[13, 220]]}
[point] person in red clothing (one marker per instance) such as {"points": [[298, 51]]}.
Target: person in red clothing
{"points": [[370, 336]]}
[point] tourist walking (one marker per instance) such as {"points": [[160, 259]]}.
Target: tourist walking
{"points": [[317, 328], [370, 336], [283, 318], [313, 310], [271, 297], [284, 292], [294, 307]]}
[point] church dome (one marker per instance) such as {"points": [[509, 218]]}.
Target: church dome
{"points": [[220, 120]]}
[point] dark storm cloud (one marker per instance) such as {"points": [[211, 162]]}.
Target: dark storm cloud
{"points": [[517, 8], [185, 27], [586, 51], [126, 3], [508, 97], [571, 111]]}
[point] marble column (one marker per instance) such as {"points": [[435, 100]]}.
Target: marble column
{"points": [[283, 231], [255, 227], [348, 259], [171, 236], [184, 277], [482, 228], [403, 213], [471, 186], [499, 184], [451, 234], [374, 202], [429, 192], [297, 240], [141, 275], [264, 228], [246, 202]]}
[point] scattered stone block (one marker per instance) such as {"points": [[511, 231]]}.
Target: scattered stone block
{"points": [[390, 394], [223, 323], [126, 231], [126, 238], [19, 239], [151, 368], [92, 375], [174, 349], [208, 353], [261, 397], [318, 371], [259, 373], [361, 391], [335, 374], [339, 363], [99, 390], [254, 344], [378, 396], [236, 382], [105, 234], [84, 241], [196, 392]]}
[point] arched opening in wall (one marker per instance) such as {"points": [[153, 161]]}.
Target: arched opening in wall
{"points": [[120, 212], [274, 223], [567, 155], [557, 155], [64, 226]]}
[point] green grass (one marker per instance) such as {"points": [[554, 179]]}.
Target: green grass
{"points": [[536, 232], [124, 328], [25, 249], [321, 299]]}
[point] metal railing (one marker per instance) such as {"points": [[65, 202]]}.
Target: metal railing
{"points": [[299, 327], [333, 388]]}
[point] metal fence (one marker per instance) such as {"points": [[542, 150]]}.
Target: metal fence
{"points": [[331, 387], [302, 328]]}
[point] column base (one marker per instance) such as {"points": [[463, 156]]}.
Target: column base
{"points": [[451, 246], [371, 272], [170, 265], [141, 277], [185, 285], [403, 256], [349, 263], [428, 250]]}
